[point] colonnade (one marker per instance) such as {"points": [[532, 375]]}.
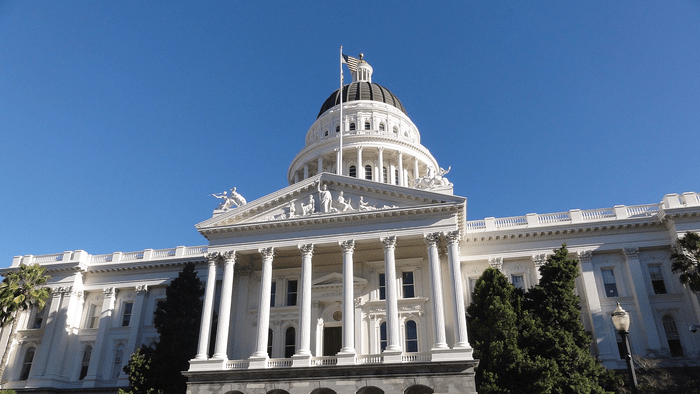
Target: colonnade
{"points": [[346, 356]]}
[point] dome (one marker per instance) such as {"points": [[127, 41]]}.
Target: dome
{"points": [[362, 90]]}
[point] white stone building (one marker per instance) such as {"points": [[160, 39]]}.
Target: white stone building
{"points": [[355, 278]]}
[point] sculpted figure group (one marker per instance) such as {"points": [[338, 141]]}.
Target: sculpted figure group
{"points": [[432, 179], [229, 200]]}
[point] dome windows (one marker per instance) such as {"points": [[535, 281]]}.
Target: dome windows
{"points": [[367, 125], [382, 127], [352, 171], [337, 129], [352, 126], [368, 172]]}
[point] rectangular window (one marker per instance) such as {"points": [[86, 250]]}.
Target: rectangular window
{"points": [[609, 283], [94, 316], [657, 279], [291, 292], [126, 316], [382, 287], [408, 289], [472, 285], [38, 317], [518, 281], [273, 290]]}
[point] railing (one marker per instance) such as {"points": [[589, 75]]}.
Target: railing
{"points": [[48, 258], [548, 218], [279, 362], [415, 357], [369, 359], [476, 225], [195, 250], [132, 256], [514, 221], [237, 364], [593, 214], [159, 254], [643, 210], [101, 258], [326, 360]]}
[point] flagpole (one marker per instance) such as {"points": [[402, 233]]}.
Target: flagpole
{"points": [[339, 169]]}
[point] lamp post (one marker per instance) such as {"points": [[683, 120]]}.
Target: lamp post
{"points": [[621, 321]]}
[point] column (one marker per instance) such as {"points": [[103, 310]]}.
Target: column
{"points": [[52, 328], [606, 346], [306, 170], [135, 322], [348, 348], [401, 179], [416, 175], [440, 343], [303, 355], [641, 298], [296, 176], [260, 354], [108, 303], [338, 164], [392, 307], [460, 329], [222, 331], [207, 309], [320, 164], [380, 172], [360, 169]]}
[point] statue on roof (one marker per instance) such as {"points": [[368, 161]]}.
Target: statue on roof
{"points": [[229, 200]]}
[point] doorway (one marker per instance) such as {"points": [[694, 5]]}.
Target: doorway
{"points": [[332, 340]]}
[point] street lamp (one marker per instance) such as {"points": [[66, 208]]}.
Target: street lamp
{"points": [[621, 321]]}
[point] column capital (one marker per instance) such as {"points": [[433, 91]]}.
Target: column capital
{"points": [[584, 256], [359, 148], [496, 262], [307, 249], [389, 242], [539, 259], [267, 253], [631, 253], [347, 246], [110, 292], [432, 239], [453, 236], [141, 289], [229, 256], [380, 148]]}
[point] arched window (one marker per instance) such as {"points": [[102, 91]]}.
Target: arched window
{"points": [[411, 337], [325, 134], [370, 390], [352, 171], [27, 363], [323, 390], [396, 130], [382, 127], [396, 177], [85, 362], [289, 342], [672, 336], [382, 337], [368, 172], [419, 389], [352, 126], [269, 343], [118, 356], [385, 173], [367, 125]]}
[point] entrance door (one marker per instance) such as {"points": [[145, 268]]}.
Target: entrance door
{"points": [[332, 340]]}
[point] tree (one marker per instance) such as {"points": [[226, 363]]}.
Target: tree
{"points": [[685, 260], [21, 290], [559, 334], [177, 319]]}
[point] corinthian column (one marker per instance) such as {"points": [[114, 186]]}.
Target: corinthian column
{"points": [[348, 300], [264, 308], [431, 241], [304, 351], [207, 309], [225, 307], [392, 307], [460, 329]]}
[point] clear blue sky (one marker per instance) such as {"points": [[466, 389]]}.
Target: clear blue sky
{"points": [[118, 119]]}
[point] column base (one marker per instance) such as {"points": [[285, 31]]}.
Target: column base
{"points": [[450, 355], [392, 356], [257, 362], [346, 358], [207, 365], [301, 360]]}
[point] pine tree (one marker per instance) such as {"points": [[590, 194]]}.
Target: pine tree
{"points": [[686, 260], [177, 319]]}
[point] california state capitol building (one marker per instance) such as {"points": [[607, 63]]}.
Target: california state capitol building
{"points": [[355, 278]]}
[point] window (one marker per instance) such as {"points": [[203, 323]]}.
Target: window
{"points": [[367, 126], [289, 342], [117, 366], [382, 337], [411, 337], [291, 292], [472, 285], [396, 177], [368, 172], [396, 130], [657, 279], [126, 316], [672, 336], [269, 343], [609, 283], [352, 126], [382, 287], [93, 320], [385, 174], [27, 364], [325, 133], [38, 317], [518, 281], [337, 129], [353, 171], [408, 289], [273, 290], [85, 362], [382, 127]]}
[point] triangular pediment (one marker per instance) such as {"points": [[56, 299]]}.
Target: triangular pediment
{"points": [[323, 196], [335, 279]]}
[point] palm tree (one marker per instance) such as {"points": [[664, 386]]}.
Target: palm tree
{"points": [[685, 260], [21, 290]]}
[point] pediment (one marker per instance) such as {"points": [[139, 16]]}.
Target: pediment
{"points": [[303, 202]]}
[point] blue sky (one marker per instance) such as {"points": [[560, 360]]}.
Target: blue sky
{"points": [[118, 119]]}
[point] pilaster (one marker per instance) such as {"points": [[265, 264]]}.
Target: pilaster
{"points": [[641, 299], [599, 322]]}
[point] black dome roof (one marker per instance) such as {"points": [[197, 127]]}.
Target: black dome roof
{"points": [[362, 90]]}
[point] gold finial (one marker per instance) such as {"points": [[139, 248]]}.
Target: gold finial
{"points": [[362, 56]]}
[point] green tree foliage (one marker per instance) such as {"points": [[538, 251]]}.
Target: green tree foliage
{"points": [[533, 342], [686, 260], [177, 319], [21, 290]]}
